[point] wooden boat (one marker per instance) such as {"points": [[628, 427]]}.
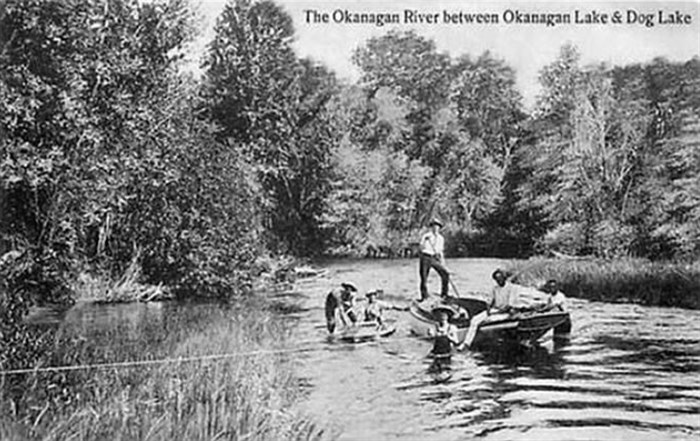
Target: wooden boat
{"points": [[365, 331], [522, 327]]}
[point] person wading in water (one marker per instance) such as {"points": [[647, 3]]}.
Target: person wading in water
{"points": [[444, 338], [340, 304], [432, 246]]}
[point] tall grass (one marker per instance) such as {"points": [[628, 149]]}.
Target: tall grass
{"points": [[626, 280], [244, 397]]}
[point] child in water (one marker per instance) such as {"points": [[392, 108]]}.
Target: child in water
{"points": [[374, 311], [445, 334]]}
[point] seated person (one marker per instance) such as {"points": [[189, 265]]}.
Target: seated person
{"points": [[503, 294], [375, 308], [557, 299], [506, 297], [510, 297], [340, 305]]}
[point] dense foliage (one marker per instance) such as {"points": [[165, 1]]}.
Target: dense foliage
{"points": [[111, 154], [103, 162], [613, 162], [275, 106], [458, 118]]}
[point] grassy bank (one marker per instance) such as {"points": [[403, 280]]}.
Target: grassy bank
{"points": [[629, 280], [244, 397]]}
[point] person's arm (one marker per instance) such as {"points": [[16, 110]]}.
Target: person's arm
{"points": [[423, 239], [491, 307], [546, 307], [452, 336], [352, 312], [343, 316], [386, 305]]}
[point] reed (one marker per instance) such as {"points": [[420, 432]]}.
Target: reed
{"points": [[243, 397], [626, 280], [100, 287]]}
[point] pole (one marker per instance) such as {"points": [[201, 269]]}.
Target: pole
{"points": [[454, 286]]}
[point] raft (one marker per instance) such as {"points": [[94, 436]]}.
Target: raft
{"points": [[365, 331]]}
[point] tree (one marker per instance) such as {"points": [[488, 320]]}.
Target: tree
{"points": [[488, 104], [439, 101], [274, 105], [249, 68], [669, 220], [373, 198], [102, 159], [409, 66], [609, 140]]}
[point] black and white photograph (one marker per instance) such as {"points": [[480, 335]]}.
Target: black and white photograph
{"points": [[349, 220]]}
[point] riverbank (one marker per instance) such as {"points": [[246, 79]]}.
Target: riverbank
{"points": [[245, 395], [627, 280]]}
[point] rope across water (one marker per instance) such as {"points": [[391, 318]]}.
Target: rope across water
{"points": [[164, 361]]}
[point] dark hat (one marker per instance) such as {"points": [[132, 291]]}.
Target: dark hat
{"points": [[435, 221], [444, 308], [374, 292], [349, 286]]}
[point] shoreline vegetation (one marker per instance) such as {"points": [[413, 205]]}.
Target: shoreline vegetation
{"points": [[616, 280], [123, 177], [241, 397]]}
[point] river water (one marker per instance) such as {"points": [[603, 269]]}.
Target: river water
{"points": [[628, 372]]}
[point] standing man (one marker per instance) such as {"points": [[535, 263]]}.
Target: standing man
{"points": [[432, 246]]}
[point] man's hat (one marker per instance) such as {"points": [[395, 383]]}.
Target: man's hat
{"points": [[349, 286], [374, 292], [435, 221], [444, 308]]}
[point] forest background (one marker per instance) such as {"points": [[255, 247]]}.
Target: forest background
{"points": [[112, 153]]}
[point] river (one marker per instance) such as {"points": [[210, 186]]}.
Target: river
{"points": [[629, 372]]}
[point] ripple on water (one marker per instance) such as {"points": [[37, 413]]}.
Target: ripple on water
{"points": [[629, 372]]}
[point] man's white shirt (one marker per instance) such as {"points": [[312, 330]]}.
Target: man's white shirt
{"points": [[432, 244]]}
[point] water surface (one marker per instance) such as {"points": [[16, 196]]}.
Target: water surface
{"points": [[628, 373]]}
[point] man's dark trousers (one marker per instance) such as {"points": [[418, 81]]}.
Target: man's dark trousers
{"points": [[428, 261]]}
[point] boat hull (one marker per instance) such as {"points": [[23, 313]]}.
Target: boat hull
{"points": [[523, 327], [365, 331]]}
